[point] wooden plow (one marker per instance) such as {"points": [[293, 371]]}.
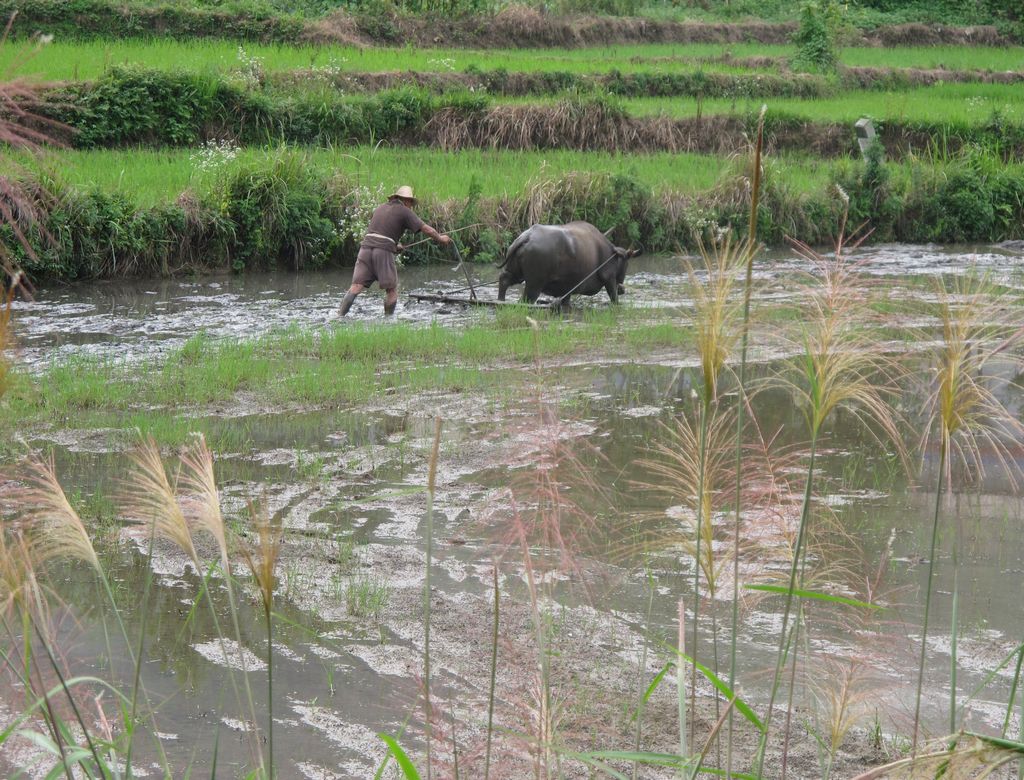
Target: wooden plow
{"points": [[472, 300], [440, 297]]}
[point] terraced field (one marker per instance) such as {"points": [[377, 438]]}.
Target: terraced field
{"points": [[644, 137], [66, 60], [256, 539]]}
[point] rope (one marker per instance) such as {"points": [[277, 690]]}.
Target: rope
{"points": [[559, 300], [574, 289], [462, 265]]}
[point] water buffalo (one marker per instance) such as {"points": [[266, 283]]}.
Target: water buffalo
{"points": [[554, 259]]}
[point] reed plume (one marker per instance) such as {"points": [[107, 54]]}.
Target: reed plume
{"points": [[171, 509], [152, 499], [57, 529], [201, 500], [718, 309], [718, 319], [263, 564]]}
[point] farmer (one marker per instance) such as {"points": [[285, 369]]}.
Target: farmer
{"points": [[376, 259]]}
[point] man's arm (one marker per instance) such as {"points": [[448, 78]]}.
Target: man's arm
{"points": [[440, 238]]}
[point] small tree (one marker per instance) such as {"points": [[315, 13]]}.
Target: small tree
{"points": [[822, 23]]}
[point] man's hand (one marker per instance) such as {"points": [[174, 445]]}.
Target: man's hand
{"points": [[444, 239], [399, 248]]}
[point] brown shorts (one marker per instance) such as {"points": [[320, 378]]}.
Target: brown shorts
{"points": [[375, 265]]}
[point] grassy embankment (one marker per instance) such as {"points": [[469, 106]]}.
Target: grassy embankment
{"points": [[625, 159], [122, 212]]}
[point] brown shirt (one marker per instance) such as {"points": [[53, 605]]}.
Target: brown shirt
{"points": [[392, 219]]}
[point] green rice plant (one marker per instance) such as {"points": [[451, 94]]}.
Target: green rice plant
{"points": [[951, 105], [366, 597], [980, 331], [69, 60]]}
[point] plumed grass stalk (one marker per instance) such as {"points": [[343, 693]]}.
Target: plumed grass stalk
{"points": [[980, 328], [263, 564], [838, 368], [147, 493], [199, 500], [154, 503], [716, 323], [45, 642], [681, 681], [494, 671], [750, 250], [59, 534], [431, 487], [642, 671], [58, 531], [17, 583], [47, 529]]}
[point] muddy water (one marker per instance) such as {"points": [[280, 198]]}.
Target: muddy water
{"points": [[340, 480], [134, 319]]}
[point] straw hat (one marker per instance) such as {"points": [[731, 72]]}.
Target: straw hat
{"points": [[405, 193]]}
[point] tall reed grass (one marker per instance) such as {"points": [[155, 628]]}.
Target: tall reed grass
{"points": [[837, 369], [966, 419]]}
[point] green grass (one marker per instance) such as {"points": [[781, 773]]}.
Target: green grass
{"points": [[88, 60], [159, 176], [952, 104], [366, 596], [341, 365]]}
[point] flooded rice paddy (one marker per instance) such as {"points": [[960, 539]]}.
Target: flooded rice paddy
{"points": [[348, 485]]}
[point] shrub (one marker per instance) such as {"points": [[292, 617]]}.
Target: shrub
{"points": [[873, 197], [129, 106], [279, 216], [969, 198], [818, 37]]}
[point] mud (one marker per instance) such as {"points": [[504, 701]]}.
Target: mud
{"points": [[359, 521]]}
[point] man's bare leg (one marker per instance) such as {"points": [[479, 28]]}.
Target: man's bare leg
{"points": [[390, 301], [350, 296]]}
